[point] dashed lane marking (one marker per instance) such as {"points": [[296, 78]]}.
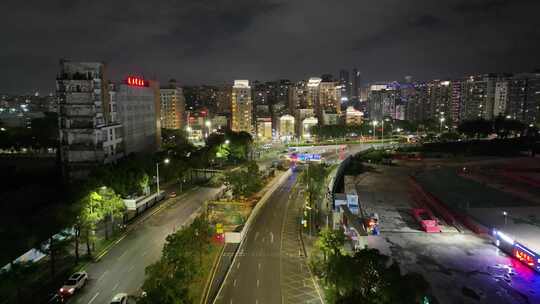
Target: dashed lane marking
{"points": [[93, 298]]}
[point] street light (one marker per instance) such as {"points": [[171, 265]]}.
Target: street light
{"points": [[374, 123], [227, 141], [441, 120], [505, 214], [165, 161]]}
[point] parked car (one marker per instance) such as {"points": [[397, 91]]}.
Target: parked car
{"points": [[75, 282], [120, 298]]}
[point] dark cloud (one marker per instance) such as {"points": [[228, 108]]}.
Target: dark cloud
{"points": [[210, 41], [426, 21]]}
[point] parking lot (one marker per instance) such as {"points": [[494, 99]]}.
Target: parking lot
{"points": [[461, 267]]}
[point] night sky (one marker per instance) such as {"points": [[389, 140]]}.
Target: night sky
{"points": [[203, 41]]}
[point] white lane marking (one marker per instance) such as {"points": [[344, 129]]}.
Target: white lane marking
{"points": [[101, 276], [93, 298], [234, 283], [230, 302], [131, 268], [258, 283], [259, 266], [144, 253], [256, 235], [256, 301], [115, 286], [122, 255], [271, 237], [238, 265]]}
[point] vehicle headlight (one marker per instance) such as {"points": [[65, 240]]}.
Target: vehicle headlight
{"points": [[71, 290]]}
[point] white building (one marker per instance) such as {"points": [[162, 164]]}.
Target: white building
{"points": [[286, 127], [353, 116], [138, 110], [264, 128], [307, 124]]}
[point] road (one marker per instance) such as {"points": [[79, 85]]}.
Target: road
{"points": [[122, 268], [270, 266], [256, 275]]}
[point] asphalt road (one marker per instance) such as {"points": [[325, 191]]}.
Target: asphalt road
{"points": [[122, 268], [255, 274]]}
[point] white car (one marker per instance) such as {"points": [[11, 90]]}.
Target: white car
{"points": [[120, 298], [75, 282]]}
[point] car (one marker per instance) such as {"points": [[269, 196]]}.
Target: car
{"points": [[120, 298], [172, 194], [75, 282]]}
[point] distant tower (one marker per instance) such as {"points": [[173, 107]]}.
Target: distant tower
{"points": [[355, 90], [241, 106], [344, 81]]}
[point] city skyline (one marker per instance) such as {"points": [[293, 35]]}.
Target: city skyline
{"points": [[185, 42]]}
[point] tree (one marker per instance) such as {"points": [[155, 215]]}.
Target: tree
{"points": [[330, 242], [112, 206], [367, 277], [17, 275], [244, 181], [313, 179]]}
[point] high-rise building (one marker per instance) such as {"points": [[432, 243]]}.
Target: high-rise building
{"points": [[478, 97], [88, 131], [313, 90], [356, 84], [262, 95], [345, 83], [532, 108], [241, 106], [172, 106], [298, 96], [138, 103], [439, 100], [329, 100], [223, 100], [382, 101], [501, 97], [455, 103]]}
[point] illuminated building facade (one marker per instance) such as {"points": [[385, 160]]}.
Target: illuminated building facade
{"points": [[172, 106], [241, 107]]}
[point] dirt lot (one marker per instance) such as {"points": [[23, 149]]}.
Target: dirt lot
{"points": [[462, 267]]}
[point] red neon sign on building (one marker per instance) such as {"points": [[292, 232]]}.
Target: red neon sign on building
{"points": [[136, 81]]}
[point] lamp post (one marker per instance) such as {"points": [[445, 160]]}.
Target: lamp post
{"points": [[440, 127], [505, 214], [165, 161]]}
